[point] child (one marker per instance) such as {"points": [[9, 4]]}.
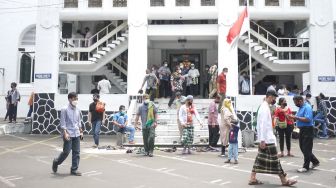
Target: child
{"points": [[233, 140]]}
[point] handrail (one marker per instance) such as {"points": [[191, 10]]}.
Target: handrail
{"points": [[105, 28], [119, 67]]}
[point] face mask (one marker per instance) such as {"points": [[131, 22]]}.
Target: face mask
{"points": [[181, 67], [95, 100], [122, 112], [192, 67], [179, 71], [146, 101], [74, 103], [273, 102], [190, 103], [165, 65], [297, 105], [284, 104]]}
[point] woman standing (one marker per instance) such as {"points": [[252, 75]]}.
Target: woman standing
{"points": [[228, 116], [284, 126]]}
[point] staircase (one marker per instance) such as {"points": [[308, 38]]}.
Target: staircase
{"points": [[101, 49], [167, 131], [276, 54]]}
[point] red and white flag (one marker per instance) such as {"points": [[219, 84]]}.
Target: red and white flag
{"points": [[239, 27]]}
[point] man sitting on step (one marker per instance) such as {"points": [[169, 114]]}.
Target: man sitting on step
{"points": [[120, 119]]}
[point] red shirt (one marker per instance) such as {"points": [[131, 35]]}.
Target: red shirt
{"points": [[221, 80], [280, 114]]}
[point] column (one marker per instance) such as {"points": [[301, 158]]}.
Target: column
{"points": [[47, 48], [137, 44], [321, 48], [227, 56]]}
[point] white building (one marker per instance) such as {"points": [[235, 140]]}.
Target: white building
{"points": [[41, 51]]}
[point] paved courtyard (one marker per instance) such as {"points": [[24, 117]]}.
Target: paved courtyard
{"points": [[25, 161]]}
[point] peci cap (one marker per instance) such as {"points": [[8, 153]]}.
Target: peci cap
{"points": [[271, 93], [189, 97]]}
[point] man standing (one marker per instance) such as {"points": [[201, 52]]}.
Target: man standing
{"points": [[176, 82], [206, 81], [148, 113], [152, 82], [95, 118], [213, 81], [322, 115], [193, 76], [164, 75], [221, 87], [104, 85], [13, 98], [120, 119], [213, 123], [72, 132], [267, 160], [186, 113], [304, 121]]}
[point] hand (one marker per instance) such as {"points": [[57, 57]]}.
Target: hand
{"points": [[262, 145], [81, 136], [66, 136], [155, 125], [173, 88]]}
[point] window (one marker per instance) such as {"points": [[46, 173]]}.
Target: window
{"points": [[157, 3], [272, 3], [296, 3], [26, 69], [119, 3], [70, 3], [182, 3], [95, 3], [208, 2], [244, 2]]}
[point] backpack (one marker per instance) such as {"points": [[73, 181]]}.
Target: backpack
{"points": [[245, 87], [100, 107]]}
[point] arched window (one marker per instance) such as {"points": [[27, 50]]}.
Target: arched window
{"points": [[27, 69], [26, 55]]}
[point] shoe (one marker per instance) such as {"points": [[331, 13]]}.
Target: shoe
{"points": [[236, 162], [131, 142], [315, 165], [95, 146], [189, 152], [184, 151], [76, 173], [323, 137], [302, 170], [54, 166], [146, 154], [10, 122], [280, 155], [227, 161], [150, 155]]}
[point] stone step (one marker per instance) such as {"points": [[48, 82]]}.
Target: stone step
{"points": [[169, 139], [17, 128], [174, 132]]}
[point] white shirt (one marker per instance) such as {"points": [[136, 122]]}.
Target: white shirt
{"points": [[264, 124], [104, 86], [183, 115]]}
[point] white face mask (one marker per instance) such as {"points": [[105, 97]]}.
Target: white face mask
{"points": [[179, 71], [74, 103], [181, 67], [192, 67], [165, 65], [146, 101]]}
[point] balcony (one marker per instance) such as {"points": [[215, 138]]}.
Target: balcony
{"points": [[70, 3], [119, 3]]}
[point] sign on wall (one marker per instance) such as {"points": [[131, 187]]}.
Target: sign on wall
{"points": [[43, 76], [326, 78]]}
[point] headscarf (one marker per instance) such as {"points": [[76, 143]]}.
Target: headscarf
{"points": [[228, 104]]}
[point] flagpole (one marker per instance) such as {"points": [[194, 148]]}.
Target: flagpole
{"points": [[249, 45]]}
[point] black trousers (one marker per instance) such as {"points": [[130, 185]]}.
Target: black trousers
{"points": [[193, 89], [12, 111], [213, 135], [164, 89], [306, 137], [285, 133], [206, 90], [151, 92], [172, 98]]}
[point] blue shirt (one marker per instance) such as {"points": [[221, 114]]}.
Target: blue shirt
{"points": [[305, 111], [119, 118], [71, 120]]}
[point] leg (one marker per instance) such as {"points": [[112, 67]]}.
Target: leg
{"points": [[210, 135], [75, 153], [222, 97], [281, 139], [172, 98], [235, 151], [161, 88], [152, 96], [10, 112], [151, 140], [30, 111], [145, 135], [166, 88], [307, 147], [180, 128], [216, 136], [97, 131], [288, 134], [15, 112], [230, 152], [66, 150], [130, 129]]}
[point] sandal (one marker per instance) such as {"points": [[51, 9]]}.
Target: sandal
{"points": [[289, 183], [280, 155], [290, 155], [255, 182]]}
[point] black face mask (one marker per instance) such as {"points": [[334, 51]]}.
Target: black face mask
{"points": [[190, 103], [298, 105], [273, 102], [284, 104]]}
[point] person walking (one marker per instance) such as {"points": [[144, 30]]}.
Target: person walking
{"points": [[213, 81], [104, 85], [120, 119], [213, 125], [233, 143], [186, 113], [193, 78], [164, 76], [8, 100], [14, 99], [267, 160], [221, 87], [30, 104], [304, 121], [72, 132], [228, 116], [284, 126], [322, 115], [152, 82], [180, 100], [95, 118], [176, 81], [148, 114]]}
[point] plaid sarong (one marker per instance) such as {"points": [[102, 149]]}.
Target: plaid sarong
{"points": [[267, 161], [188, 135]]}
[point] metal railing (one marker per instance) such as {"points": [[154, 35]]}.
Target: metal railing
{"points": [[208, 2], [80, 52], [157, 3], [281, 47], [70, 3], [119, 3]]}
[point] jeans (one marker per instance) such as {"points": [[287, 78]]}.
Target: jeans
{"points": [[74, 145], [323, 120], [233, 151], [285, 132], [213, 135], [130, 129], [96, 130], [30, 111], [306, 137], [12, 111], [148, 134], [205, 90]]}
